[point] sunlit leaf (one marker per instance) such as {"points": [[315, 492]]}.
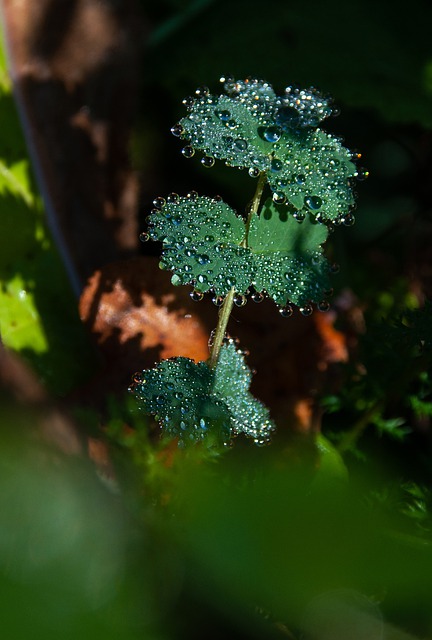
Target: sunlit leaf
{"points": [[254, 128], [194, 403]]}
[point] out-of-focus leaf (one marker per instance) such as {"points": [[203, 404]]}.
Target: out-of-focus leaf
{"points": [[38, 317]]}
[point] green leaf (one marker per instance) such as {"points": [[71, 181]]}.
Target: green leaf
{"points": [[38, 314], [288, 258], [194, 403], [254, 128], [313, 171], [201, 244], [202, 241]]}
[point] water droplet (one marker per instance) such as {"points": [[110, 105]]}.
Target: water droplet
{"points": [[271, 134], [177, 130], [240, 144], [362, 174], [299, 216], [287, 117], [254, 172], [300, 178], [240, 300], [348, 220], [231, 124], [223, 115], [159, 399], [192, 195], [313, 202], [176, 280], [276, 165], [202, 91], [218, 301], [202, 279], [188, 151], [207, 161], [196, 295], [203, 259], [278, 197], [286, 311], [324, 305], [173, 198], [159, 203], [188, 102], [209, 238], [258, 297], [144, 237], [306, 310]]}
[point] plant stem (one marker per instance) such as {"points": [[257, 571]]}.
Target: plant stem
{"points": [[255, 204], [226, 308], [224, 314]]}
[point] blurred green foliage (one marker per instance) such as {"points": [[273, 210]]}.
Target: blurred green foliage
{"points": [[38, 312]]}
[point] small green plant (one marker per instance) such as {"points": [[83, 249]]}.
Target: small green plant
{"points": [[304, 188]]}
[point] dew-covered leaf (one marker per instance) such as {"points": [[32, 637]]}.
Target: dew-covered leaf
{"points": [[178, 392], [252, 127], [232, 380], [194, 403], [201, 244], [288, 259], [312, 171]]}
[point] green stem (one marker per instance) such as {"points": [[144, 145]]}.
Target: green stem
{"points": [[255, 204], [224, 314], [226, 308]]}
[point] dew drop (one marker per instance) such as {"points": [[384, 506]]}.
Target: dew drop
{"points": [[207, 161], [159, 203], [218, 301], [287, 117], [300, 178], [192, 195], [271, 134], [362, 174], [254, 172], [324, 305], [144, 237], [348, 220], [223, 114], [176, 280], [188, 151], [278, 197], [203, 259], [240, 300], [202, 279], [276, 165], [313, 202], [306, 310], [257, 297], [231, 124], [209, 238], [177, 130], [188, 102], [196, 295], [299, 216], [286, 311], [240, 144], [230, 281]]}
